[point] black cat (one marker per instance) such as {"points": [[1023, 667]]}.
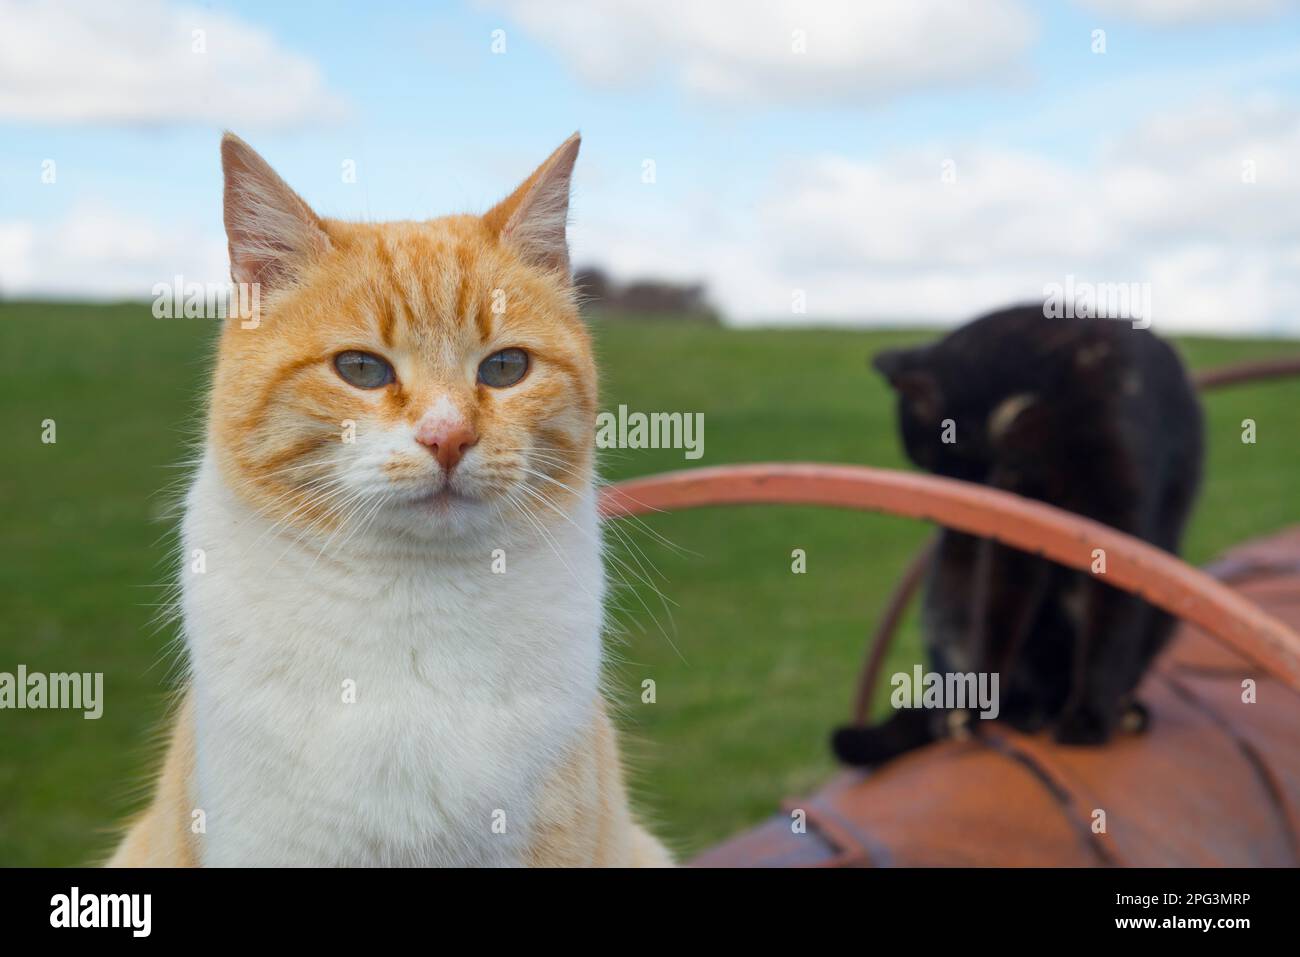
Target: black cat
{"points": [[1092, 415]]}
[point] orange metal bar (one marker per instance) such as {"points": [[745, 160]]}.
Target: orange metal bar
{"points": [[1257, 371], [1131, 564], [888, 624]]}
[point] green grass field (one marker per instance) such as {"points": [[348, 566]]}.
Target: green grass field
{"points": [[767, 658]]}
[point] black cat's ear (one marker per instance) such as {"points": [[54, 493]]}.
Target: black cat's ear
{"points": [[921, 391], [890, 362], [916, 384]]}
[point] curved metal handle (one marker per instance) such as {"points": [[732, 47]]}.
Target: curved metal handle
{"points": [[1132, 565], [1243, 372]]}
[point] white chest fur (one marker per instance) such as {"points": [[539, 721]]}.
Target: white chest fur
{"points": [[375, 707]]}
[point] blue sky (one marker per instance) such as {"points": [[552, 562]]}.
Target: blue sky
{"points": [[818, 172]]}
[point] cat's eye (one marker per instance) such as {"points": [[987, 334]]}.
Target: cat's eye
{"points": [[363, 369], [503, 368]]}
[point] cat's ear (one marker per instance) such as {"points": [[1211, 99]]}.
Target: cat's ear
{"points": [[534, 218], [921, 390], [890, 362], [271, 231], [916, 384]]}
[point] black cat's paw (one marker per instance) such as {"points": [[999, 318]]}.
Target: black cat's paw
{"points": [[1136, 718], [1082, 727], [861, 747]]}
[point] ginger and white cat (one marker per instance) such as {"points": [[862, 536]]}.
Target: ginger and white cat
{"points": [[394, 640]]}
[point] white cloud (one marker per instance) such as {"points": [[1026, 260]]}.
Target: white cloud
{"points": [[142, 62], [102, 253], [1183, 12], [876, 241], [889, 241], [856, 52]]}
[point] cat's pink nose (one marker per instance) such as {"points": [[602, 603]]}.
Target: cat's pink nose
{"points": [[448, 441]]}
